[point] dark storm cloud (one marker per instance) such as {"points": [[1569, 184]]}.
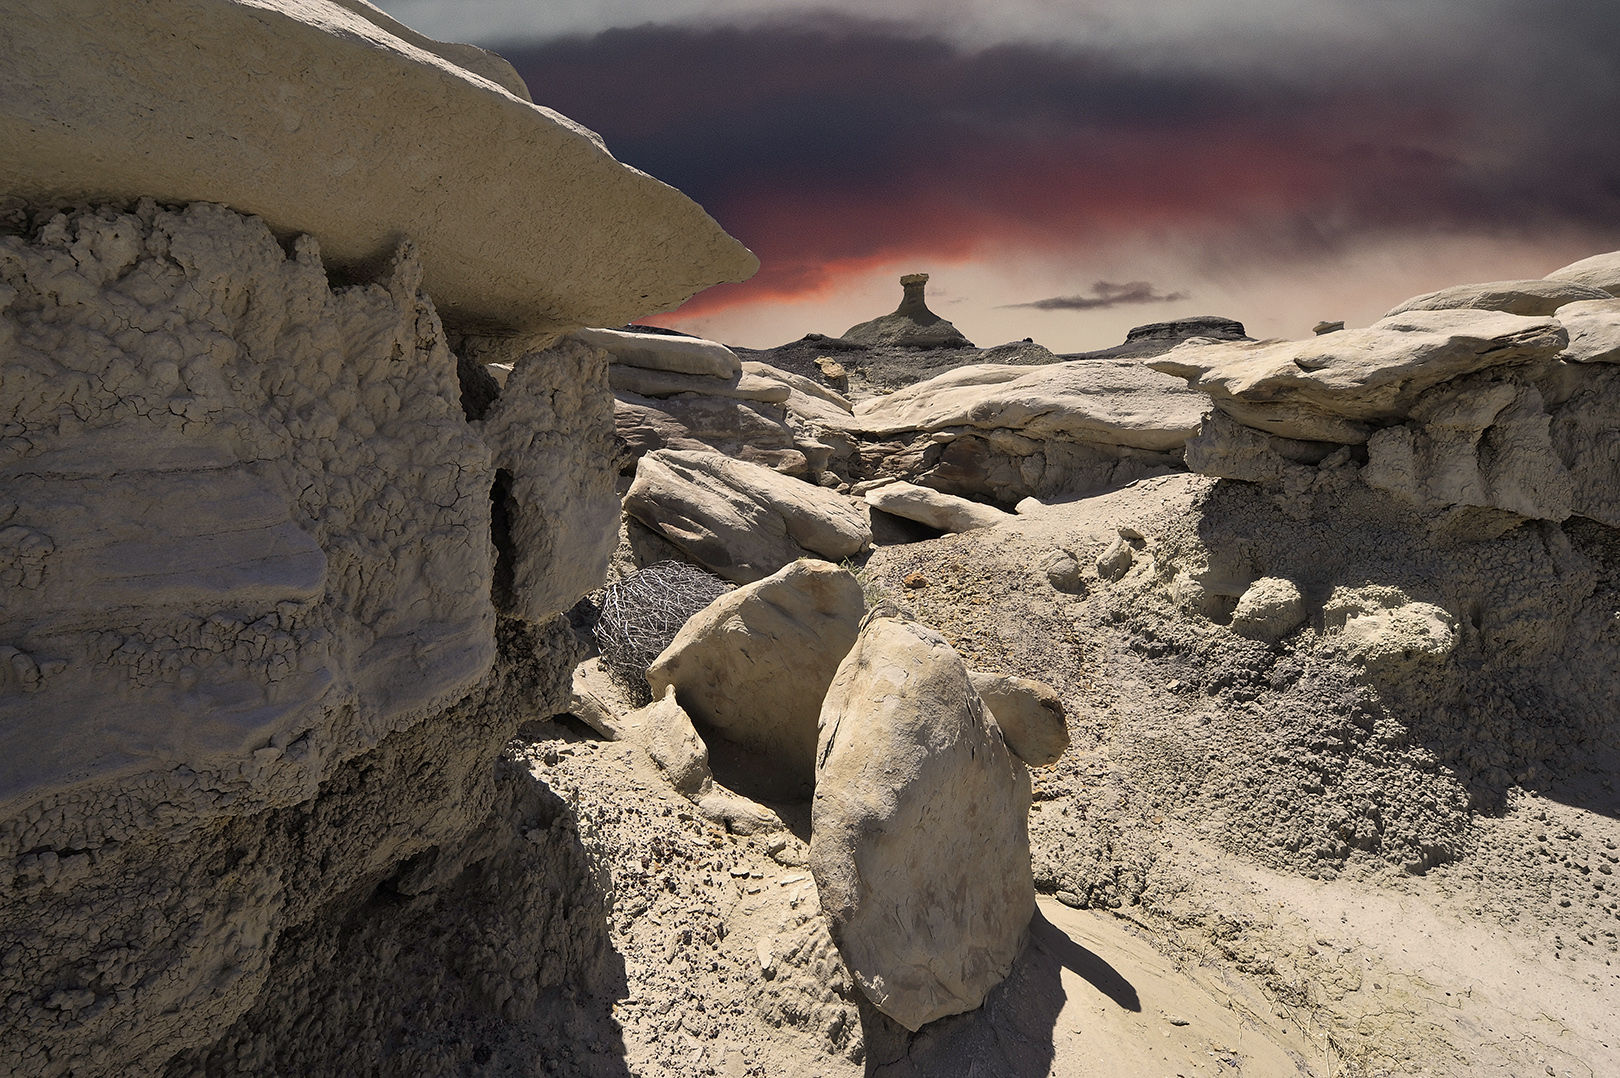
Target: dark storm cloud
{"points": [[831, 145], [1105, 294]]}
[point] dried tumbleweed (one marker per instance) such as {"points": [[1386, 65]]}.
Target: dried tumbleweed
{"points": [[641, 615]]}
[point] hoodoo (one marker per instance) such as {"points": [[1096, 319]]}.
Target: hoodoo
{"points": [[912, 325]]}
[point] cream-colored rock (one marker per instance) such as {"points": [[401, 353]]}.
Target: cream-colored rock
{"points": [[754, 665], [947, 512], [321, 119], [663, 352], [1106, 402], [597, 702], [1269, 609], [650, 383], [1029, 713], [1599, 271], [1380, 628], [809, 387], [919, 839], [1534, 298], [741, 520], [552, 430], [1594, 330], [665, 730], [751, 431], [1330, 388]]}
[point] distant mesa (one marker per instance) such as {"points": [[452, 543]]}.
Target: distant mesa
{"points": [[912, 325]]}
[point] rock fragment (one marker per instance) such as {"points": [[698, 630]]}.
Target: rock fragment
{"points": [[947, 512], [919, 836], [663, 352], [1269, 609]]}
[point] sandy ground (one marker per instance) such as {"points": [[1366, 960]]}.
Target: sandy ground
{"points": [[1185, 928]]}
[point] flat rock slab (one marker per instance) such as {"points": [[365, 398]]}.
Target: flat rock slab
{"points": [[1327, 389], [649, 383], [947, 512], [1108, 402], [331, 119], [1599, 271], [1534, 298], [662, 352], [755, 664], [919, 838], [743, 521]]}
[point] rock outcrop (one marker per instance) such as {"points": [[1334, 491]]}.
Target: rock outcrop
{"points": [[919, 837], [489, 195], [1599, 271], [741, 520], [1011, 432], [1476, 417], [1534, 298], [912, 325], [667, 352], [754, 665], [283, 574]]}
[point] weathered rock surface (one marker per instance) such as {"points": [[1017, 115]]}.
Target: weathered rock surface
{"points": [[665, 730], [664, 352], [947, 512], [1110, 402], [1599, 271], [649, 383], [1329, 388], [912, 325], [1029, 713], [551, 430], [268, 522], [750, 431], [596, 701], [1269, 609], [754, 665], [919, 836], [1381, 629], [741, 520], [1594, 330], [1535, 298], [482, 196]]}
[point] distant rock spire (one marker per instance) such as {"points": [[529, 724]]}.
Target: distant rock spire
{"points": [[912, 325]]}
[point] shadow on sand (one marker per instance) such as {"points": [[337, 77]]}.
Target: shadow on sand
{"points": [[1013, 1032]]}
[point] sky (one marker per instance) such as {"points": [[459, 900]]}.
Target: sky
{"points": [[1067, 169]]}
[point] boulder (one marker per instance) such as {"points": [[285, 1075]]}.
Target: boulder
{"points": [[491, 197], [1107, 402], [1533, 298], [1029, 713], [1599, 271], [1332, 388], [912, 325], [1594, 330], [751, 431], [1269, 609], [919, 838], [664, 352], [651, 383], [754, 665], [947, 512], [741, 520], [1061, 569]]}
